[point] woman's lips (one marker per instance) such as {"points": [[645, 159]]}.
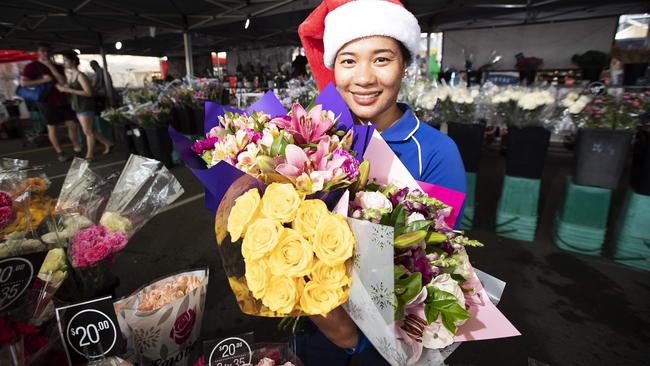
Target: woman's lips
{"points": [[365, 99]]}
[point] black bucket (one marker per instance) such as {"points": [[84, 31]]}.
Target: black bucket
{"points": [[123, 140], [199, 117], [601, 157], [640, 177], [527, 151], [469, 140], [183, 120], [138, 138], [160, 145]]}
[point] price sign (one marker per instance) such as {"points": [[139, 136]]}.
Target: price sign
{"points": [[230, 351], [597, 88], [90, 330], [16, 275]]}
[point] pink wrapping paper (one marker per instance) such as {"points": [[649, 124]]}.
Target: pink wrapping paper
{"points": [[447, 196], [487, 322]]}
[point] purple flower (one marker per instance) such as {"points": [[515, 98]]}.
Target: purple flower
{"points": [[253, 135], [350, 166], [5, 199], [398, 196], [7, 216], [200, 146]]}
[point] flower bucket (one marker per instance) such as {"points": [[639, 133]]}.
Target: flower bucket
{"points": [[199, 116], [469, 139], [526, 151], [122, 138], [640, 176], [160, 145], [138, 138], [183, 119], [166, 335], [601, 157]]}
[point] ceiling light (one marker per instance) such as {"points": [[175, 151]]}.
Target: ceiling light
{"points": [[164, 58], [248, 23], [118, 45], [77, 51]]}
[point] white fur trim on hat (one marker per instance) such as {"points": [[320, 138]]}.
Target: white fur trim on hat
{"points": [[365, 18]]}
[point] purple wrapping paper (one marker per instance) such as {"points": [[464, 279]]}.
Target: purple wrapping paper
{"points": [[218, 178]]}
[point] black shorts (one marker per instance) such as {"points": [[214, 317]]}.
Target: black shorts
{"points": [[53, 115]]}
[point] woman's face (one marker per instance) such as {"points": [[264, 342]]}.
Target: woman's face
{"points": [[67, 63], [368, 73]]}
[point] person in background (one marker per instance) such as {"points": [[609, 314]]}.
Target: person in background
{"points": [[81, 97], [99, 87], [54, 109]]}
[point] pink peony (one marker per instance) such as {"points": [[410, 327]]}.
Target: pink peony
{"points": [[94, 244], [5, 199], [350, 166], [7, 216]]}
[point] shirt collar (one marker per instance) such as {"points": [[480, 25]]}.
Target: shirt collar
{"points": [[403, 128]]}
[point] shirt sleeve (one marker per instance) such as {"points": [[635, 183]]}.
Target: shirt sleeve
{"points": [[30, 72], [444, 167]]}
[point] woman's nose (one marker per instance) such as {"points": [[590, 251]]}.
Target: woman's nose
{"points": [[365, 75]]}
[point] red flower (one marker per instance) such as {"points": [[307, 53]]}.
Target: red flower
{"points": [[183, 327], [7, 335], [25, 329]]}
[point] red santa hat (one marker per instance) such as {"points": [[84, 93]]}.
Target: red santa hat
{"points": [[336, 22]]}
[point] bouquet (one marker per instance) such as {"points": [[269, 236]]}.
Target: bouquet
{"points": [[431, 264], [19, 342], [294, 253], [522, 107], [413, 289], [150, 115], [452, 104], [270, 173], [162, 320], [610, 112]]}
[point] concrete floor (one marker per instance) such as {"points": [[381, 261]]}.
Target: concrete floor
{"points": [[571, 309]]}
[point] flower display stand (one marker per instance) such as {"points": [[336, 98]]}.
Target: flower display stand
{"points": [[640, 177], [526, 151], [633, 232], [581, 222], [517, 208], [160, 145], [469, 140], [467, 221]]}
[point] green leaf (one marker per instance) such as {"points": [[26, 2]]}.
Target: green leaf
{"points": [[371, 187], [417, 225], [408, 288], [446, 305], [399, 272], [458, 278], [312, 104], [398, 217], [404, 241]]}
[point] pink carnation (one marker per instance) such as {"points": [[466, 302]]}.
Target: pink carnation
{"points": [[5, 199], [203, 145], [94, 244], [351, 164], [7, 216]]}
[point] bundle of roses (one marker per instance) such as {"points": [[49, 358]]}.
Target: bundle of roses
{"points": [[295, 251], [7, 213], [305, 148], [10, 336], [431, 264]]}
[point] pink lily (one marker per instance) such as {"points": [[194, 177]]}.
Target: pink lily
{"points": [[306, 127]]}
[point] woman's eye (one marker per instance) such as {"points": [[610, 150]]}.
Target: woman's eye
{"points": [[347, 61], [381, 60]]}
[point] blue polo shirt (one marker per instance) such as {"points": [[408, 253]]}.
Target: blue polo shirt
{"points": [[428, 154]]}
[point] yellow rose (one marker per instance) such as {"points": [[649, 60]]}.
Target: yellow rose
{"points": [[330, 276], [257, 277], [280, 202], [261, 237], [319, 299], [333, 241], [242, 213], [282, 294], [309, 214], [292, 256]]}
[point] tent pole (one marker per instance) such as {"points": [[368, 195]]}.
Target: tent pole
{"points": [[189, 63], [107, 82], [428, 55]]}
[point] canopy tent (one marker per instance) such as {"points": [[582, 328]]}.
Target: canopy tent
{"points": [[7, 56], [174, 27]]}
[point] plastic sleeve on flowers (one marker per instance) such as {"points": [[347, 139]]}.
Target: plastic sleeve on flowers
{"points": [[362, 344]]}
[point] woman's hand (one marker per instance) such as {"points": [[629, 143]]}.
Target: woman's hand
{"points": [[63, 88], [338, 327]]}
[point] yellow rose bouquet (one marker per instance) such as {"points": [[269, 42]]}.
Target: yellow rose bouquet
{"points": [[284, 255]]}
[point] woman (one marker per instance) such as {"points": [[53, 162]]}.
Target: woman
{"points": [[364, 48], [81, 99]]}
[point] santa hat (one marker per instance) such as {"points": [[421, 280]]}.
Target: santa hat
{"points": [[336, 22]]}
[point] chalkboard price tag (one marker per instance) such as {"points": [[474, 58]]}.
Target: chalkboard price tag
{"points": [[597, 88], [90, 330], [16, 276], [229, 351]]}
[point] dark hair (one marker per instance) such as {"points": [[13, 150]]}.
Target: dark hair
{"points": [[44, 45], [93, 62], [406, 55], [72, 56]]}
